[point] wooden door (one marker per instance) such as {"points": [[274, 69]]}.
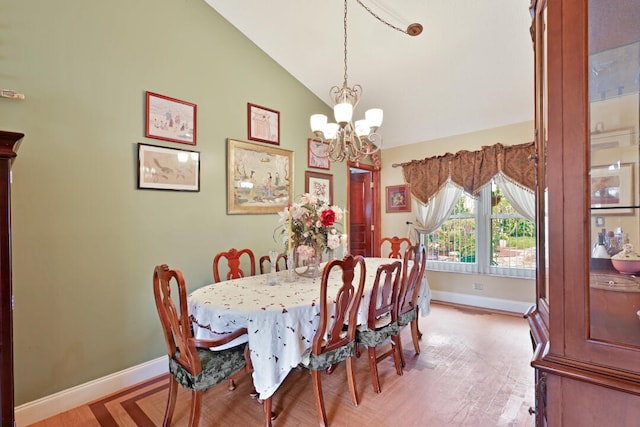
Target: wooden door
{"points": [[363, 211]]}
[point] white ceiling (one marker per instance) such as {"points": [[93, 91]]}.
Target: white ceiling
{"points": [[470, 69]]}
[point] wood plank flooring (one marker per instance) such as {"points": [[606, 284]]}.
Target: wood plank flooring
{"points": [[473, 370]]}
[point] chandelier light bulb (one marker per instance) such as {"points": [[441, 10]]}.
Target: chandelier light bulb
{"points": [[374, 117], [343, 113], [331, 130], [318, 123], [362, 128]]}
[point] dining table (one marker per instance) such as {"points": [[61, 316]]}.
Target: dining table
{"points": [[281, 319]]}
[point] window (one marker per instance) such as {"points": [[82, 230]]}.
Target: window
{"points": [[486, 236]]}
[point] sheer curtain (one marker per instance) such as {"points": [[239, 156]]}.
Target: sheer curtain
{"points": [[431, 215], [522, 199]]}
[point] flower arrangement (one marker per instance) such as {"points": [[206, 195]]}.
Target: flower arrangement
{"points": [[309, 226]]}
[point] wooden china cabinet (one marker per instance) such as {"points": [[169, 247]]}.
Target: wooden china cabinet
{"points": [[585, 325], [8, 144]]}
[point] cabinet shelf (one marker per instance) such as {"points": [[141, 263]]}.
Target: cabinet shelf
{"points": [[616, 207]]}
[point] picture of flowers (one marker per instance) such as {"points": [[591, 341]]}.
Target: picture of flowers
{"points": [[398, 198], [319, 185]]}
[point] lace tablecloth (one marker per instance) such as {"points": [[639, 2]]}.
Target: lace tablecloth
{"points": [[281, 319]]}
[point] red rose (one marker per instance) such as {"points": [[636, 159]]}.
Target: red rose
{"points": [[328, 217]]}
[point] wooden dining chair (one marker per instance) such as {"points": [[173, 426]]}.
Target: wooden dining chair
{"points": [[264, 261], [398, 246], [382, 320], [335, 338], [195, 364], [233, 257], [416, 257]]}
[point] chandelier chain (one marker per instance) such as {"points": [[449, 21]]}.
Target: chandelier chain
{"points": [[345, 43], [372, 13]]}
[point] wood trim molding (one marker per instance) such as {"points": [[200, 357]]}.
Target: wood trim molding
{"points": [[375, 179]]}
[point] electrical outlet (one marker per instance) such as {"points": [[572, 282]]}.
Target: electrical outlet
{"points": [[478, 286]]}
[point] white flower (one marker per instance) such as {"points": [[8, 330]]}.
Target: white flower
{"points": [[333, 240]]}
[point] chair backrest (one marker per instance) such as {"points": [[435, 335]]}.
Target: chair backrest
{"points": [[264, 260], [397, 244], [233, 263], [347, 301], [411, 276], [384, 294], [175, 319]]}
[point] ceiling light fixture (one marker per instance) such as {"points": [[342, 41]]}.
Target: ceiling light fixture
{"points": [[348, 141]]}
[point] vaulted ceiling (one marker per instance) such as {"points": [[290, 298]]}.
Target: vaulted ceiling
{"points": [[470, 69]]}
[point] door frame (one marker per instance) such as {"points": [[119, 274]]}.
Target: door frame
{"points": [[375, 200]]}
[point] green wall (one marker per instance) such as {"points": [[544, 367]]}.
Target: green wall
{"points": [[85, 240]]}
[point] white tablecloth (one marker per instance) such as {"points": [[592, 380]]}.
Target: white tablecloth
{"points": [[281, 319]]}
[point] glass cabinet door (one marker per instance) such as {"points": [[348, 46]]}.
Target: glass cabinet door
{"points": [[614, 117], [539, 34]]}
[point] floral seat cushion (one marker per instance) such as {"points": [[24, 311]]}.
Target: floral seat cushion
{"points": [[322, 361], [217, 366], [374, 338], [408, 317]]}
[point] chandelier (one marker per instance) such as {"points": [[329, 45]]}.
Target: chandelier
{"points": [[346, 140]]}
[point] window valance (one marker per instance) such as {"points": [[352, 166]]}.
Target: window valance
{"points": [[471, 170]]}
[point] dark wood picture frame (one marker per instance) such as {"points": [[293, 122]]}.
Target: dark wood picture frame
{"points": [[170, 119], [263, 124], [398, 198], [319, 184], [163, 168]]}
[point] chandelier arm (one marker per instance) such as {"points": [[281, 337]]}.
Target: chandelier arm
{"points": [[319, 140]]}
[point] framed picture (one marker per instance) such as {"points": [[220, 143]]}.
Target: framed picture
{"points": [[398, 198], [162, 168], [318, 154], [612, 189], [259, 178], [319, 184], [612, 139], [599, 220], [170, 119], [264, 124]]}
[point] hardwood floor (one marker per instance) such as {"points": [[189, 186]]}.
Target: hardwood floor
{"points": [[473, 370]]}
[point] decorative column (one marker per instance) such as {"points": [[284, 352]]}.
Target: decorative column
{"points": [[8, 141]]}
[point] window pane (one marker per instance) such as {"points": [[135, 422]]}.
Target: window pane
{"points": [[513, 243], [455, 240]]}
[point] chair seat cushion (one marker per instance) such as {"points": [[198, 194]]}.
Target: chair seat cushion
{"points": [[408, 317], [318, 362], [217, 366], [374, 338]]}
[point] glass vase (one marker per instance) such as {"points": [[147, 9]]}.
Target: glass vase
{"points": [[310, 267]]}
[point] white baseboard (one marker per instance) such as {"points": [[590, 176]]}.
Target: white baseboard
{"points": [[519, 307], [82, 394]]}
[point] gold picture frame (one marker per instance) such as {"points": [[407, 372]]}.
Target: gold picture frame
{"points": [[259, 178], [612, 189]]}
